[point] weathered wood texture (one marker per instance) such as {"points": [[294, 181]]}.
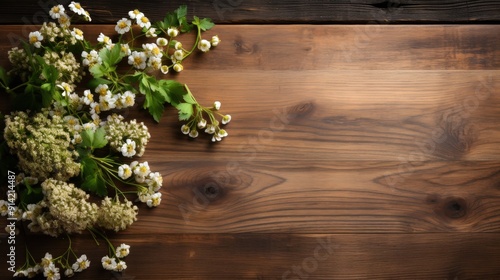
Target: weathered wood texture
{"points": [[386, 142], [274, 11]]}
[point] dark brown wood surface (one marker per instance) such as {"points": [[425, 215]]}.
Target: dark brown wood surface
{"points": [[274, 11], [355, 152]]}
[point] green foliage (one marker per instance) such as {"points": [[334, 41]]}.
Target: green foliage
{"points": [[176, 18], [185, 111], [94, 140], [92, 177], [204, 24]]}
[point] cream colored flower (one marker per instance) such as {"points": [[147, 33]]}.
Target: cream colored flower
{"points": [[128, 149], [81, 263], [35, 39], [124, 171], [56, 11], [123, 26], [123, 250], [204, 45]]}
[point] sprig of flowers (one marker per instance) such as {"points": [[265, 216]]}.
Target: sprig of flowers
{"points": [[69, 142]]}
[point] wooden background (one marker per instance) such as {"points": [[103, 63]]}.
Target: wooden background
{"points": [[364, 144]]}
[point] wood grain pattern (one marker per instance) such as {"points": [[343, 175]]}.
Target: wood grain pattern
{"points": [[275, 11], [297, 256], [391, 153]]}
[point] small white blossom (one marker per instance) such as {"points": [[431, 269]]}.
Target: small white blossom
{"points": [[193, 133], [215, 41], [64, 20], [154, 62], [123, 250], [124, 171], [69, 272], [123, 26], [142, 169], [128, 99], [51, 272], [202, 123], [143, 21], [102, 90], [46, 260], [179, 55], [104, 39], [128, 149], [226, 119], [88, 97], [172, 32], [210, 129], [164, 69], [90, 58], [120, 266], [217, 105], [135, 13], [77, 8], [185, 129], [178, 46], [154, 200], [178, 67], [138, 59], [81, 263], [204, 45], [162, 42], [77, 33], [95, 108], [155, 181], [216, 138], [56, 11], [35, 39], [151, 33], [222, 133], [108, 263]]}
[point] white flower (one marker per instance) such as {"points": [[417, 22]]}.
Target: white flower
{"points": [[216, 138], [162, 42], [142, 169], [35, 39], [89, 126], [154, 62], [178, 67], [179, 54], [217, 105], [123, 250], [88, 97], [128, 99], [4, 207], [128, 149], [125, 49], [102, 90], [77, 8], [77, 33], [51, 272], [77, 139], [164, 69], [222, 133], [123, 26], [108, 263], [204, 45], [81, 263], [185, 129], [64, 20], [178, 46], [173, 32], [143, 21], [56, 11], [21, 273], [155, 181], [69, 272], [67, 88], [193, 133], [104, 39], [202, 124], [135, 13], [138, 60], [95, 108], [107, 102], [215, 41], [91, 58], [120, 266], [154, 200], [226, 119], [151, 33], [210, 129], [46, 260], [124, 171], [152, 50]]}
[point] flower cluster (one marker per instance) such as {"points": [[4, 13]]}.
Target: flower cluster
{"points": [[42, 145], [69, 143], [130, 138]]}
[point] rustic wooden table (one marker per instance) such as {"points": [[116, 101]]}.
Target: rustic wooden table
{"points": [[365, 144]]}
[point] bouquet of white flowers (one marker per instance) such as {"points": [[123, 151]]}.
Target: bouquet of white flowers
{"points": [[66, 149]]}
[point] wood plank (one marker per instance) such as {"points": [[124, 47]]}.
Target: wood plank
{"points": [[341, 47], [275, 11], [292, 256]]}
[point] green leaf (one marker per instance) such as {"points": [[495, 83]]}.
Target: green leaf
{"points": [[176, 91], [154, 104], [100, 138], [204, 24], [185, 111], [4, 77], [189, 99], [96, 71], [31, 195], [92, 179], [94, 140], [181, 12]]}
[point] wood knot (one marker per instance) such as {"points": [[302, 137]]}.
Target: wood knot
{"points": [[300, 110], [242, 48], [451, 207], [456, 137]]}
